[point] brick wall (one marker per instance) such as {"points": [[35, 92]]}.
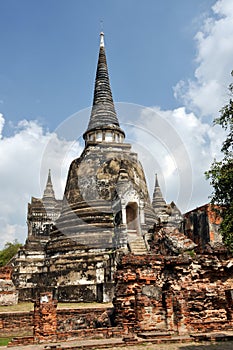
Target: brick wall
{"points": [[67, 319], [76, 319], [202, 225], [16, 322], [176, 294]]}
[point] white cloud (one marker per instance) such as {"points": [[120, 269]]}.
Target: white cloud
{"points": [[22, 174], [180, 148], [207, 92], [10, 232]]}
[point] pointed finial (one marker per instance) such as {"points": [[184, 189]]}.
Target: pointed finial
{"points": [[49, 176], [102, 39], [156, 180]]}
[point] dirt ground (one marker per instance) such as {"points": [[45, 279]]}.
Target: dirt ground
{"points": [[101, 344], [191, 346]]}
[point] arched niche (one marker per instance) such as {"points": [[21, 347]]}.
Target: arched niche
{"points": [[132, 218]]}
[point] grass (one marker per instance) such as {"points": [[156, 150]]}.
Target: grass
{"points": [[82, 305], [4, 341], [13, 334], [26, 307], [21, 307]]}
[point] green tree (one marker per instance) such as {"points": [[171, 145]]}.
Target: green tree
{"points": [[9, 250], [221, 173]]}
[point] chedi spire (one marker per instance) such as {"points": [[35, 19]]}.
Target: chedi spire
{"points": [[49, 195], [103, 114], [158, 201]]}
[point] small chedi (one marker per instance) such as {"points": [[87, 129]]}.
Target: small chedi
{"points": [[107, 241]]}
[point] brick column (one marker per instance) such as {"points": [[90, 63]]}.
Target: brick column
{"points": [[45, 318]]}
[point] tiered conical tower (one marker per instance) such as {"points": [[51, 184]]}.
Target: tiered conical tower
{"points": [[29, 263], [167, 214], [158, 201], [106, 205], [102, 182]]}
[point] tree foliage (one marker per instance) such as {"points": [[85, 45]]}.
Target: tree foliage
{"points": [[221, 173], [9, 250]]}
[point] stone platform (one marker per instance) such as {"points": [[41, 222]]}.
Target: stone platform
{"points": [[171, 343]]}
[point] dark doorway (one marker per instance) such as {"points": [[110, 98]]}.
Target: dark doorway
{"points": [[132, 218], [100, 292]]}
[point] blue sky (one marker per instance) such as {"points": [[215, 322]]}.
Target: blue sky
{"points": [[169, 63], [49, 52]]}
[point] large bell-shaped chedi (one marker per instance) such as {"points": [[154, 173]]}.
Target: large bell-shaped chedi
{"points": [[106, 205]]}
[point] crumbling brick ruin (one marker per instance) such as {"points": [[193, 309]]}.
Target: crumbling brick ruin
{"points": [[174, 293], [202, 226], [107, 241], [8, 292]]}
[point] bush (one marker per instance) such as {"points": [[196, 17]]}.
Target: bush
{"points": [[9, 250]]}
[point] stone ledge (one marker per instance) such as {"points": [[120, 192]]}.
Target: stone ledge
{"points": [[212, 337], [153, 334]]}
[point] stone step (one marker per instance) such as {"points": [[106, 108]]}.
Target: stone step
{"points": [[137, 246], [138, 243], [153, 334]]}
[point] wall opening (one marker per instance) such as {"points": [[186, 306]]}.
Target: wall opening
{"points": [[100, 292], [132, 218]]}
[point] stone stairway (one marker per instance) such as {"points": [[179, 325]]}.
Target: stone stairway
{"points": [[137, 245]]}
